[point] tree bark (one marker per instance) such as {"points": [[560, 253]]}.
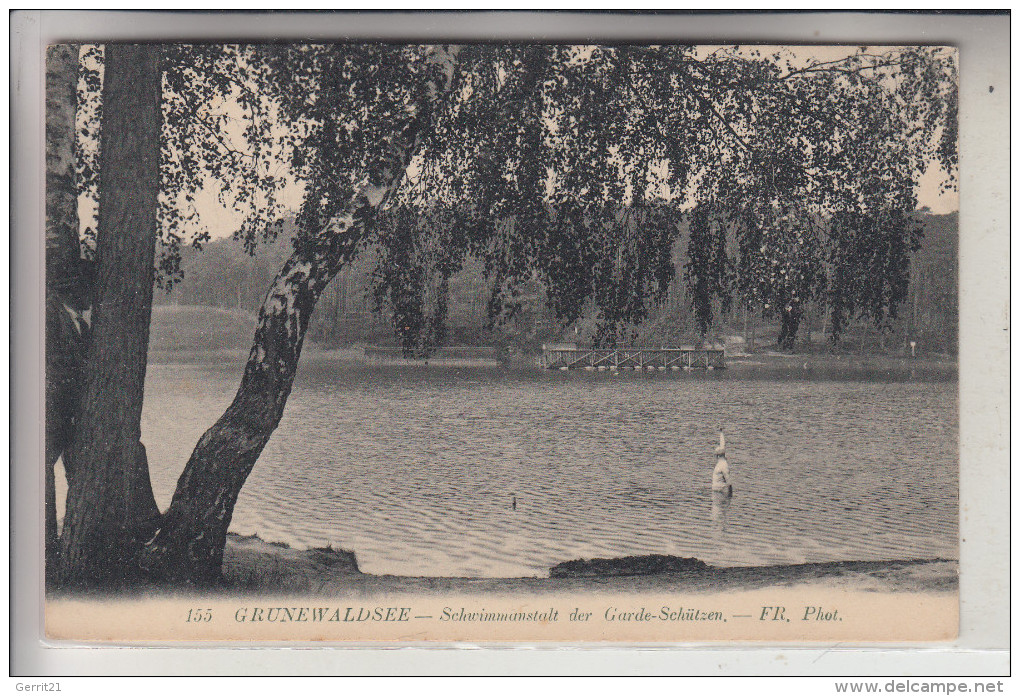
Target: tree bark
{"points": [[187, 547], [110, 505], [66, 287]]}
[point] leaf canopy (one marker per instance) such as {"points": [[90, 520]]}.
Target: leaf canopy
{"points": [[578, 166]]}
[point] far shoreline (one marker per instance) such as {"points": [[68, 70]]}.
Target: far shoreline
{"points": [[822, 362]]}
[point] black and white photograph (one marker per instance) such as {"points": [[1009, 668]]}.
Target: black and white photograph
{"points": [[501, 341]]}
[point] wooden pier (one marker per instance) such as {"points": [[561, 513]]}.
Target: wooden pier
{"points": [[649, 359]]}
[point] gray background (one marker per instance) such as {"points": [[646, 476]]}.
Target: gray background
{"points": [[982, 647]]}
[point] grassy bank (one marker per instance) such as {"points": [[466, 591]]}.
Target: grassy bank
{"points": [[840, 364]]}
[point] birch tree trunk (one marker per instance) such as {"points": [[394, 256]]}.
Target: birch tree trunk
{"points": [[65, 344], [188, 545], [63, 252], [110, 505], [187, 548]]}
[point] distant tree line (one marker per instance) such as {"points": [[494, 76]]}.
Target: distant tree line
{"points": [[698, 306]]}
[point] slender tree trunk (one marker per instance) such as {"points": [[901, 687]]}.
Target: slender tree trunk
{"points": [[66, 285], [754, 324], [110, 506], [746, 306], [339, 303], [808, 318], [790, 322], [63, 251], [915, 292]]}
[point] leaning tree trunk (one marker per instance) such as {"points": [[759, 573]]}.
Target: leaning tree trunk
{"points": [[110, 505], [66, 287], [187, 547]]}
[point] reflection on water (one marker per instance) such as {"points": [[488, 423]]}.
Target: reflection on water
{"points": [[720, 509], [483, 472]]}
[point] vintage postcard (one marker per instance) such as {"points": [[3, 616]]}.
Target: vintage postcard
{"points": [[625, 343]]}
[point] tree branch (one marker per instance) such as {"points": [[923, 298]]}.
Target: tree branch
{"points": [[704, 101], [824, 68]]}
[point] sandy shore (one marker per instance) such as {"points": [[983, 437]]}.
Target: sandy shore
{"points": [[252, 565]]}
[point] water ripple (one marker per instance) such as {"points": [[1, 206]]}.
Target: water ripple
{"points": [[416, 470]]}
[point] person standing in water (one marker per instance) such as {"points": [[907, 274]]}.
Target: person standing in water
{"points": [[721, 482]]}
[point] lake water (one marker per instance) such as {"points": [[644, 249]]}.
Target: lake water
{"points": [[415, 469]]}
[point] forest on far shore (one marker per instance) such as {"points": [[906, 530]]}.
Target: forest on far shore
{"points": [[223, 276]]}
